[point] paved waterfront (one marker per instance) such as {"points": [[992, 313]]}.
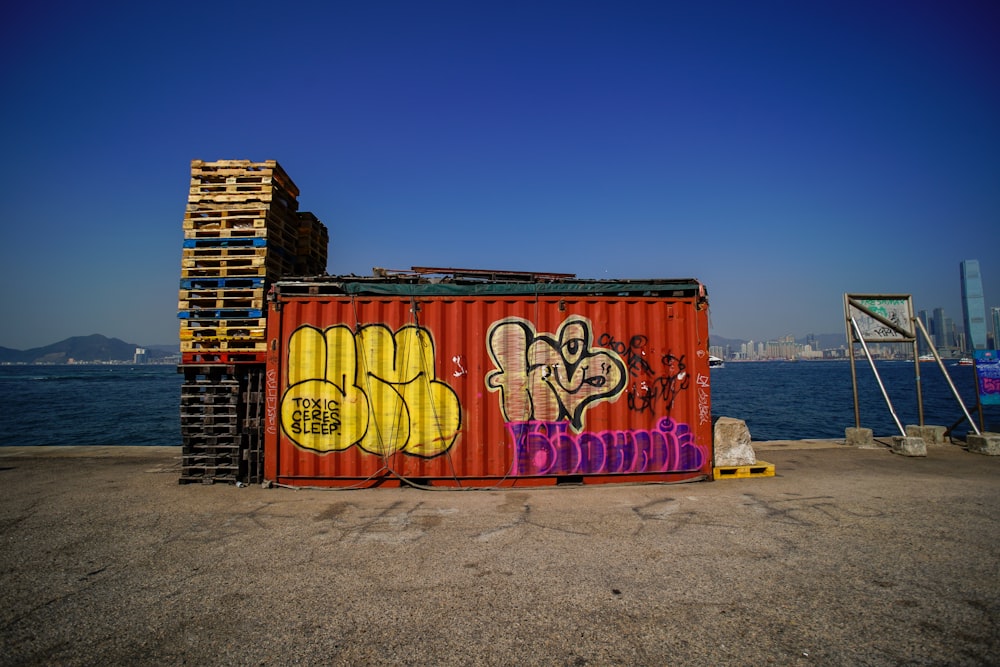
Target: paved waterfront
{"points": [[845, 557]]}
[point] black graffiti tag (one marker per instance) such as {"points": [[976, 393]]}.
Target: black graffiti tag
{"points": [[650, 391], [634, 354]]}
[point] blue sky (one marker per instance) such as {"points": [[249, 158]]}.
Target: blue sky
{"points": [[783, 153]]}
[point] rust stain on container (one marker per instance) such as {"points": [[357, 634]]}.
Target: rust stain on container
{"points": [[487, 383]]}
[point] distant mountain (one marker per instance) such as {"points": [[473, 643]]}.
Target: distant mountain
{"points": [[80, 348]]}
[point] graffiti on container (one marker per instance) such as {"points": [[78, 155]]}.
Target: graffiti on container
{"points": [[550, 377], [658, 393], [634, 353], [548, 448], [704, 402], [652, 390], [271, 401], [373, 388]]}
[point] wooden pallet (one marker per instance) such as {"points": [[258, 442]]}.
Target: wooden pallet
{"points": [[223, 252], [203, 357], [197, 323], [276, 201], [223, 333], [247, 299], [232, 186], [206, 405], [276, 237], [200, 375], [255, 314], [759, 469], [223, 454], [215, 282], [199, 429], [206, 393], [223, 262], [209, 394], [197, 474], [231, 272], [272, 264], [222, 303], [209, 414], [212, 345], [209, 339], [197, 444], [200, 201], [227, 218], [235, 242], [230, 213], [274, 259], [242, 171], [224, 222]]}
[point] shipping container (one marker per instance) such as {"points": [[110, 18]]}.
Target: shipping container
{"points": [[479, 379]]}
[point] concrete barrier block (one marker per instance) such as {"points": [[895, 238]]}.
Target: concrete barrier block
{"points": [[732, 443], [859, 437], [987, 443], [909, 446], [932, 435]]}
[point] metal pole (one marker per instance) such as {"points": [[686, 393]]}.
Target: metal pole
{"points": [[975, 381], [854, 372], [958, 397], [871, 361], [979, 404], [916, 373]]}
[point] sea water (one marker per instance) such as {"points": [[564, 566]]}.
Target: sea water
{"points": [[140, 405], [814, 399], [90, 405]]}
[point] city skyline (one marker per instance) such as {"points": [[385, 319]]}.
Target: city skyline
{"points": [[782, 154], [948, 337]]}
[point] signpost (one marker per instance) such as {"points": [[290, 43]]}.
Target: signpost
{"points": [[888, 318], [880, 318]]}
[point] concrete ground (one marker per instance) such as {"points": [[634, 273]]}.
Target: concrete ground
{"points": [[845, 557]]}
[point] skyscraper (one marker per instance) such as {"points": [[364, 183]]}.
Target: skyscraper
{"points": [[940, 338], [973, 305], [929, 328]]}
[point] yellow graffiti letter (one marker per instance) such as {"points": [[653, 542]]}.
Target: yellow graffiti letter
{"points": [[410, 409], [322, 409]]}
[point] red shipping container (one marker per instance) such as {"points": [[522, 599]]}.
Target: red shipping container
{"points": [[389, 381]]}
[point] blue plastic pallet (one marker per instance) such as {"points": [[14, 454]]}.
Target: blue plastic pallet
{"points": [[222, 314], [234, 242], [221, 283]]}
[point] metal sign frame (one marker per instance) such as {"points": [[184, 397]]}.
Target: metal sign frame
{"points": [[888, 318], [880, 318]]}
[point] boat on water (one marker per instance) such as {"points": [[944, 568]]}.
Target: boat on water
{"points": [[925, 357], [966, 361], [715, 362]]}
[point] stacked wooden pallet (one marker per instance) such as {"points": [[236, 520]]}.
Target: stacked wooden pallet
{"points": [[242, 231], [312, 247], [221, 423]]}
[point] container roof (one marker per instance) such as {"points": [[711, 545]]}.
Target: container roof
{"points": [[423, 281]]}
